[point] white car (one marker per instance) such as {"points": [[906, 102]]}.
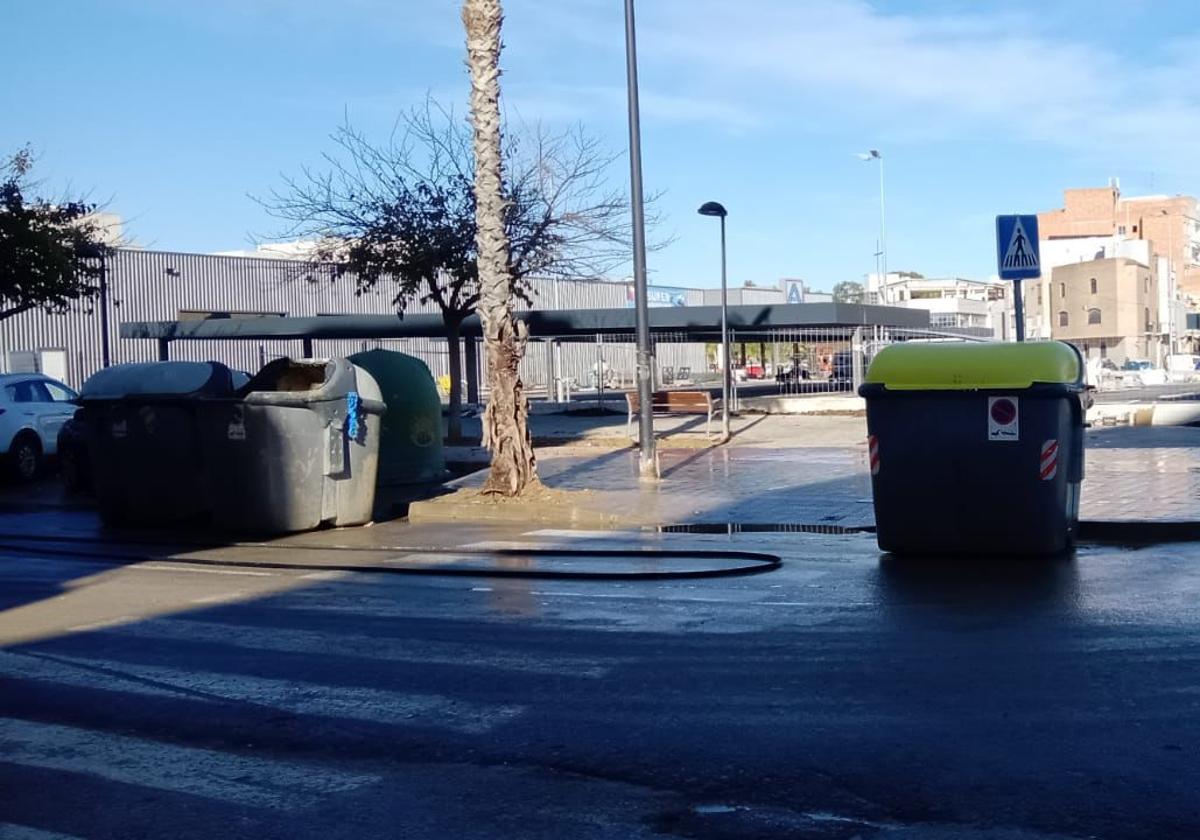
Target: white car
{"points": [[32, 410]]}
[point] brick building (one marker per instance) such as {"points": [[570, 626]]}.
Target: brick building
{"points": [[1170, 223]]}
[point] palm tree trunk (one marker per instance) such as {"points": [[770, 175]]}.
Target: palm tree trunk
{"points": [[505, 421]]}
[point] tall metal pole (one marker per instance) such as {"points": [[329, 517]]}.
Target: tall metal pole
{"points": [[882, 224], [105, 358], [726, 389], [648, 462]]}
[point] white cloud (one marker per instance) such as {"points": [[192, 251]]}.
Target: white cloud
{"points": [[941, 74], [584, 102]]}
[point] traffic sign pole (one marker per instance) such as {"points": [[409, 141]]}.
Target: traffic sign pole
{"points": [[1019, 309], [1018, 257]]}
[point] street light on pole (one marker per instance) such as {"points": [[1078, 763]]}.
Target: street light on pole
{"points": [[648, 462], [876, 155], [712, 208]]}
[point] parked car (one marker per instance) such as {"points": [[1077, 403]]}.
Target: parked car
{"points": [[33, 408], [1137, 364]]}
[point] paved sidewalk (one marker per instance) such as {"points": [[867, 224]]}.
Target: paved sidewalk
{"points": [[1140, 474]]}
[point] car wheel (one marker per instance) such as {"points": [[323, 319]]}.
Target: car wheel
{"points": [[25, 457]]}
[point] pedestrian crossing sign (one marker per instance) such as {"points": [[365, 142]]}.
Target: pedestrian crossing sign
{"points": [[1017, 247]]}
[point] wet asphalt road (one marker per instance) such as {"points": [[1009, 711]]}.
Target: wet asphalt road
{"points": [[846, 695]]}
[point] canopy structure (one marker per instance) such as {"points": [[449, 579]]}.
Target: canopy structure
{"points": [[698, 322]]}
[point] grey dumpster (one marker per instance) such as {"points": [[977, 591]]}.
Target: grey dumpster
{"points": [[297, 448], [139, 424]]}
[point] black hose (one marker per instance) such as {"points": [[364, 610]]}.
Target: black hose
{"points": [[758, 562]]}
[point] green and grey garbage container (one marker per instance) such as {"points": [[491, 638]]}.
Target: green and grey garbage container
{"points": [[296, 448], [410, 440], [139, 422], [976, 448]]}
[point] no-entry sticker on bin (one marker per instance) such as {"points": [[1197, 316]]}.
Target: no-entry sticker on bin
{"points": [[1004, 418]]}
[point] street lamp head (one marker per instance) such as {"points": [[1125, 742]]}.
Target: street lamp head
{"points": [[712, 208], [871, 154]]}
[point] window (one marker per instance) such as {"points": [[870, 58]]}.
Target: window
{"points": [[1146, 283], [1062, 290], [220, 315], [1093, 316], [21, 392], [1063, 319], [1039, 295], [1103, 350], [58, 393], [1148, 324], [1093, 284], [1120, 230]]}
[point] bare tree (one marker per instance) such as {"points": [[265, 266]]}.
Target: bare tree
{"points": [[402, 213]]}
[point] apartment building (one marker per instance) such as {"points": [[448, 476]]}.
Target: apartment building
{"points": [[1106, 307], [952, 302], [1170, 223]]}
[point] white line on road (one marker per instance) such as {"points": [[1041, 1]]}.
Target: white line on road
{"points": [[212, 774], [98, 625], [182, 567], [223, 596], [303, 698], [378, 648], [12, 831]]}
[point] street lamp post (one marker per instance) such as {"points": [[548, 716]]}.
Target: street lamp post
{"points": [[648, 462], [876, 155], [712, 208]]}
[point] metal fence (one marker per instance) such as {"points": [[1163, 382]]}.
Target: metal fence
{"points": [[602, 368]]}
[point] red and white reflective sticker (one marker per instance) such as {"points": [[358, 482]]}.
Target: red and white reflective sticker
{"points": [[873, 448], [1049, 462]]}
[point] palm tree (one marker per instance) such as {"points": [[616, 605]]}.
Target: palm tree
{"points": [[506, 419]]}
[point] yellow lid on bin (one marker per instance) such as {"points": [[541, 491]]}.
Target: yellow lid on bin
{"points": [[962, 365]]}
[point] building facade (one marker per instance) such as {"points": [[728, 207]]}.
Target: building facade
{"points": [[952, 302], [1107, 307], [165, 286], [1170, 223]]}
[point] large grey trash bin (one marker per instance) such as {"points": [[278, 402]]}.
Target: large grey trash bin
{"points": [[139, 422], [297, 448]]}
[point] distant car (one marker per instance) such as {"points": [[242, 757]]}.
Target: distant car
{"points": [[33, 408], [842, 367], [793, 373], [1137, 364]]}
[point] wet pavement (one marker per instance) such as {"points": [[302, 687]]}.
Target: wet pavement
{"points": [[845, 695], [1132, 474]]}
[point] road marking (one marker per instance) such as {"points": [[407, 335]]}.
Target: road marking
{"points": [[99, 625], [302, 698], [202, 571], [378, 648], [227, 596], [213, 774], [12, 831]]}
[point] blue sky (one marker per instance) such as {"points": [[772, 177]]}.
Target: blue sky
{"points": [[174, 111]]}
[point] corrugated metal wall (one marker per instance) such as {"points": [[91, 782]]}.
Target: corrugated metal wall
{"points": [[158, 285]]}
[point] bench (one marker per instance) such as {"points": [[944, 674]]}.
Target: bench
{"points": [[672, 402]]}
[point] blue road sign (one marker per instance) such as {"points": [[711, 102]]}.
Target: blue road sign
{"points": [[793, 295], [1017, 247]]}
